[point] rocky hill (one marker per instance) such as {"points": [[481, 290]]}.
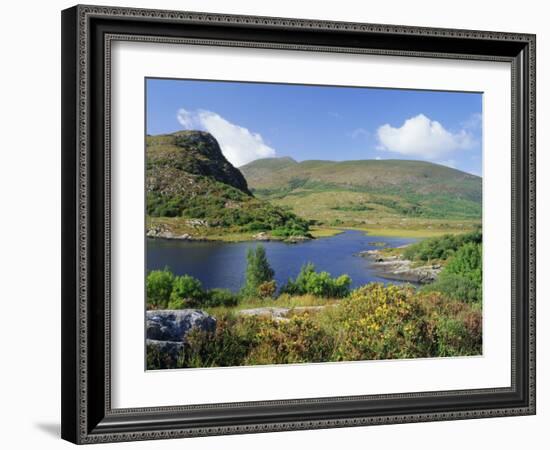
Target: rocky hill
{"points": [[189, 153], [189, 180]]}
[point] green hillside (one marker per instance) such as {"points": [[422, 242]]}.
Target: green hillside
{"points": [[192, 189], [367, 191]]}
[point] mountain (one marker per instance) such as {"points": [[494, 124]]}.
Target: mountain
{"points": [[188, 178], [194, 153], [395, 175], [381, 187]]}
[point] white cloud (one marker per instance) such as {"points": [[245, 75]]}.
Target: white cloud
{"points": [[421, 136], [378, 158], [239, 145]]}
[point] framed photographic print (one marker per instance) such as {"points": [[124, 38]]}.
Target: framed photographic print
{"points": [[280, 224]]}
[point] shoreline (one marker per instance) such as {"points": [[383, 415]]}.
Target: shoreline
{"points": [[392, 267]]}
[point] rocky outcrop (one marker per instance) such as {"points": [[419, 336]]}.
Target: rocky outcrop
{"points": [[279, 313], [264, 236], [396, 268], [174, 325], [166, 333], [163, 232], [261, 236]]}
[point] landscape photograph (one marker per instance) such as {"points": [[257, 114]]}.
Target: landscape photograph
{"points": [[289, 224]]}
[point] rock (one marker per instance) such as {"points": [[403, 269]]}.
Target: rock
{"points": [[158, 230], [197, 223], [270, 311], [393, 267], [262, 236], [278, 313], [295, 239], [174, 325]]}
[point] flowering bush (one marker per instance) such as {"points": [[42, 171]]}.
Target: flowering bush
{"points": [[373, 322]]}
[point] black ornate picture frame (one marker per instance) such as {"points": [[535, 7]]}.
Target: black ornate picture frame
{"points": [[87, 34]]}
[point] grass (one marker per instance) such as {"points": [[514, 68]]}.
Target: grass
{"points": [[283, 301], [321, 232], [407, 233], [340, 207]]}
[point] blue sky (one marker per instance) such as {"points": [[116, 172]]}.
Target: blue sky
{"points": [[257, 120]]}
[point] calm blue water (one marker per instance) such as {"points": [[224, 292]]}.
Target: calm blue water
{"points": [[222, 264]]}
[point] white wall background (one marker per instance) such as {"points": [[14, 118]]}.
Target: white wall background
{"points": [[30, 225]]}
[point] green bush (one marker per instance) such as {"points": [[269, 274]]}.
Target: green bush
{"points": [[442, 247], [188, 290], [166, 291], [461, 278], [220, 297], [456, 286], [258, 271], [467, 262], [319, 284], [159, 287]]}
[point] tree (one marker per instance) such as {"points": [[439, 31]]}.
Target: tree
{"points": [[258, 271]]}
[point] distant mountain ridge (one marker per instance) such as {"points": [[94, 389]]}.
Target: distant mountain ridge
{"points": [[363, 190], [390, 174]]}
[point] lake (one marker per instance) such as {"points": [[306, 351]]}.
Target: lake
{"points": [[223, 264]]}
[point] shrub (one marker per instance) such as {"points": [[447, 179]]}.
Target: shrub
{"points": [[319, 284], [267, 289], [221, 297], [467, 262], [256, 340], [374, 322], [186, 291], [382, 323], [442, 247], [456, 287], [378, 322], [159, 284], [178, 303], [298, 340], [166, 291], [227, 346], [461, 279], [258, 271]]}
